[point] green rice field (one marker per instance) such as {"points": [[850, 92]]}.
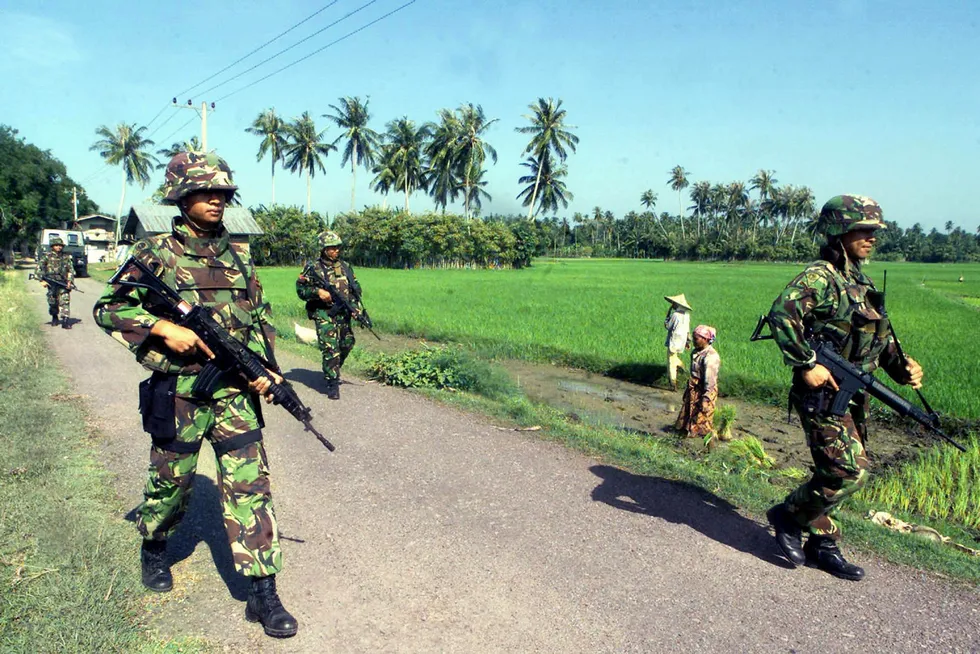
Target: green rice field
{"points": [[607, 316]]}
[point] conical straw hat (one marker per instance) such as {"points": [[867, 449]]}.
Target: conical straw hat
{"points": [[679, 300]]}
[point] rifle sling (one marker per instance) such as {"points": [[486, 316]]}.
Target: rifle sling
{"points": [[271, 358]]}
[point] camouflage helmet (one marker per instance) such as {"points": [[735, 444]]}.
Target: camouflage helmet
{"points": [[56, 241], [329, 239], [189, 172], [845, 213]]}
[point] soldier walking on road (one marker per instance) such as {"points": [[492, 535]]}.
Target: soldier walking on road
{"points": [[331, 316], [57, 264], [832, 300], [198, 259]]}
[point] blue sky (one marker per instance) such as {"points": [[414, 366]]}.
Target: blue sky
{"points": [[845, 96]]}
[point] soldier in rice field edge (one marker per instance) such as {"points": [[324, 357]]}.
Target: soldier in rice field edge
{"points": [[833, 301]]}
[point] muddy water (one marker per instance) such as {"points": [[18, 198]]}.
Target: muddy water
{"points": [[593, 398]]}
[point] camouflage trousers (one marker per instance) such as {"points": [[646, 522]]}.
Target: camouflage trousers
{"points": [[697, 416], [59, 302], [230, 423], [336, 339], [840, 468]]}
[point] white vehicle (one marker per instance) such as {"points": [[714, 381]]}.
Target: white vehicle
{"points": [[74, 245]]}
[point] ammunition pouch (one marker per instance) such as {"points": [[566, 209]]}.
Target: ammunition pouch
{"points": [[158, 406]]}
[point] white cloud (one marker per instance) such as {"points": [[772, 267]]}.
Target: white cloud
{"points": [[36, 40]]}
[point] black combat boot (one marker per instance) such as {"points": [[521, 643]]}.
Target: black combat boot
{"points": [[333, 389], [264, 606], [54, 320], [822, 552], [788, 534], [156, 570], [66, 323]]}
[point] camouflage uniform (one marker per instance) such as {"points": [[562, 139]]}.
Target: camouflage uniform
{"points": [[833, 300], [332, 321], [205, 271], [60, 267]]}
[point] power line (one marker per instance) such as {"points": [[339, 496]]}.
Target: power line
{"points": [[167, 138], [162, 109], [265, 61], [345, 36], [157, 128], [239, 60]]}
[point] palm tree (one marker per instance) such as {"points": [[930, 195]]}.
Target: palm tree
{"points": [[549, 134], [408, 147], [442, 150], [701, 203], [192, 145], [305, 150], [649, 200], [384, 173], [476, 192], [127, 147], [362, 141], [678, 182], [273, 131], [473, 149], [545, 185]]}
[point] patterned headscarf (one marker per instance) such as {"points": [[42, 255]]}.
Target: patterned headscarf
{"points": [[705, 331]]}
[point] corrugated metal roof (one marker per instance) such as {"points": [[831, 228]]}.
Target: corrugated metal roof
{"points": [[156, 219]]}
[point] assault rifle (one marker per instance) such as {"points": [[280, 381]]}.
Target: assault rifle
{"points": [[230, 356], [55, 282], [851, 379], [363, 319]]}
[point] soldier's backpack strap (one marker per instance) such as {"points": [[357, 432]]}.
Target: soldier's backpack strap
{"points": [[269, 354]]}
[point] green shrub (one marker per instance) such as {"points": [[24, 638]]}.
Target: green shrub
{"points": [[441, 368]]}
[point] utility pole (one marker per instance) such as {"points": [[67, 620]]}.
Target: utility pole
{"points": [[74, 206], [203, 113]]}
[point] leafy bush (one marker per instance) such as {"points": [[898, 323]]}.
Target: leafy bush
{"points": [[441, 368]]}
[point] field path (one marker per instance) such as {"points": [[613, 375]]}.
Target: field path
{"points": [[430, 530]]}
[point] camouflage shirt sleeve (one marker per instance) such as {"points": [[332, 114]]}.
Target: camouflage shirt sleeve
{"points": [[305, 288], [121, 312], [812, 290]]}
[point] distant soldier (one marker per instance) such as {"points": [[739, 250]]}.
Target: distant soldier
{"points": [[331, 315], [57, 264], [696, 419], [678, 325], [832, 300], [199, 260]]}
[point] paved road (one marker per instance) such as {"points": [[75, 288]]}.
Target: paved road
{"points": [[431, 531]]}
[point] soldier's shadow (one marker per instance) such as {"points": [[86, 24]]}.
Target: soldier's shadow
{"points": [[312, 379], [683, 503], [204, 523]]}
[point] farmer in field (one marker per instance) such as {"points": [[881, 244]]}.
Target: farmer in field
{"points": [[696, 419], [198, 259], [832, 300], [56, 264], [333, 299], [678, 324]]}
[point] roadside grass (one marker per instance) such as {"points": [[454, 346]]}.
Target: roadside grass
{"points": [[69, 577], [942, 483]]}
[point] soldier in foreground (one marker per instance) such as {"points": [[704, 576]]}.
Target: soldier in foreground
{"points": [[57, 264], [833, 301], [197, 259], [331, 315]]}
